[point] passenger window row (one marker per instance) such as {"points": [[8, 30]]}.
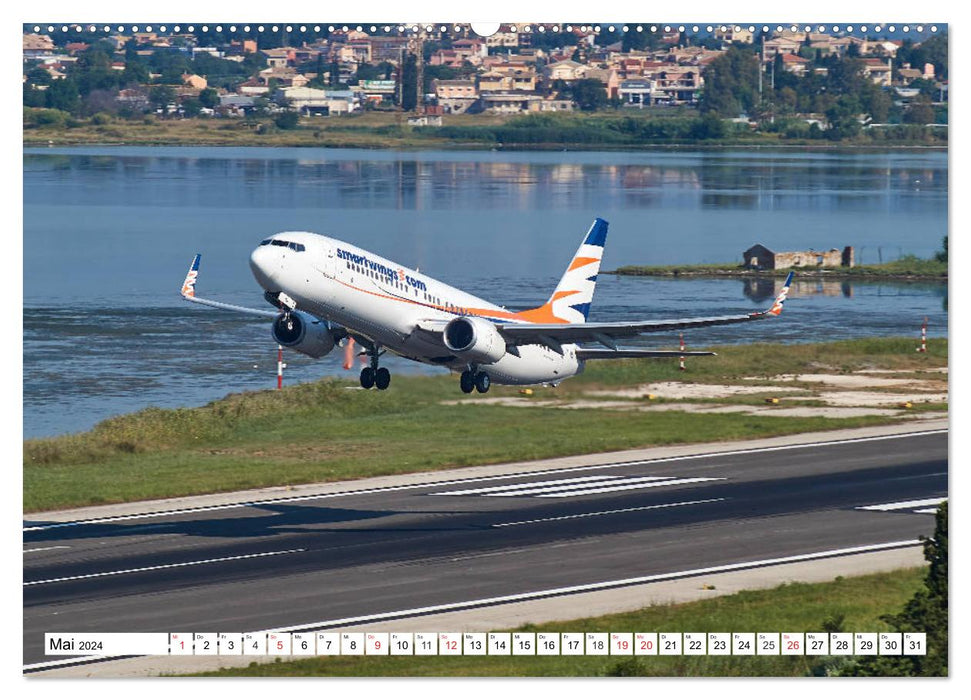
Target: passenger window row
{"points": [[428, 297]]}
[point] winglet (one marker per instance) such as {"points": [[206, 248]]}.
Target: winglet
{"points": [[189, 286], [776, 308]]}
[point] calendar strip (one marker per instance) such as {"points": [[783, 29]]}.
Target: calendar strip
{"points": [[488, 644]]}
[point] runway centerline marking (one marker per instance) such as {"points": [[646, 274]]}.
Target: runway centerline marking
{"points": [[161, 566], [438, 484], [607, 512], [46, 549]]}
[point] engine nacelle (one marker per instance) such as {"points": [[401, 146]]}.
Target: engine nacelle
{"points": [[303, 333], [475, 340]]}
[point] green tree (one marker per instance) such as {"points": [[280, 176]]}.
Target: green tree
{"points": [[409, 82], [209, 98], [38, 76], [920, 112], [287, 120], [63, 95], [941, 255], [34, 97], [844, 118], [876, 103], [639, 41], [135, 72], [590, 94], [192, 106], [926, 612], [161, 96], [731, 83]]}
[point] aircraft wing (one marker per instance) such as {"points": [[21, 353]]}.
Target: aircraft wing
{"points": [[189, 294], [555, 334]]}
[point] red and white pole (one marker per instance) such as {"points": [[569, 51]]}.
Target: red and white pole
{"points": [[681, 359], [923, 337], [279, 366]]}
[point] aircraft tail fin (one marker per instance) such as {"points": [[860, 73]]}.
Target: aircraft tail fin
{"points": [[776, 307], [189, 286], [570, 301]]}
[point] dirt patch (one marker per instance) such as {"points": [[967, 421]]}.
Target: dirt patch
{"points": [[677, 390], [863, 381], [844, 395], [877, 398], [849, 411]]}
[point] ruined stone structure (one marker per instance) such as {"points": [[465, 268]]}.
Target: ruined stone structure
{"points": [[761, 258]]}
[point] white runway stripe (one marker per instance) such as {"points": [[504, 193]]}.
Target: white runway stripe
{"points": [[161, 566], [613, 485], [906, 505], [577, 486], [628, 487], [46, 549], [608, 512], [531, 484]]}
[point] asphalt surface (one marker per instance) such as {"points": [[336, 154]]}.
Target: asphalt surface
{"points": [[295, 562]]}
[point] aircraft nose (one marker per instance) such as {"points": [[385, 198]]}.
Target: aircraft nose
{"points": [[263, 263]]}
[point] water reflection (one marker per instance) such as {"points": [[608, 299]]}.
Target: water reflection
{"points": [[732, 181], [764, 288]]}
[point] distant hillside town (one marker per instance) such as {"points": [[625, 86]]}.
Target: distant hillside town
{"points": [[783, 78]]}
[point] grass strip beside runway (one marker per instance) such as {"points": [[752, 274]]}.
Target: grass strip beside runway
{"points": [[852, 604], [332, 430]]}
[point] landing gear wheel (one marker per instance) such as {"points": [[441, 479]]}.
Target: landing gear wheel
{"points": [[466, 382], [482, 382], [367, 377], [382, 378]]}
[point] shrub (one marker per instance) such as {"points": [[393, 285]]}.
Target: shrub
{"points": [[287, 120]]}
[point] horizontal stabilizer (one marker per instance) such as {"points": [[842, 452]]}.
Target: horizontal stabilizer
{"points": [[189, 294]]}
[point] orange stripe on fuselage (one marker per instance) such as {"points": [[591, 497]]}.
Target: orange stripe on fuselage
{"points": [[541, 314]]}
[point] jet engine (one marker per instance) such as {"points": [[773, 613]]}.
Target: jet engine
{"points": [[475, 340], [304, 333]]}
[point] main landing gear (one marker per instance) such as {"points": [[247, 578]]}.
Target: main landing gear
{"points": [[472, 379], [374, 375]]}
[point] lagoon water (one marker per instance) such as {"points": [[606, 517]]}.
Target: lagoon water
{"points": [[109, 232]]}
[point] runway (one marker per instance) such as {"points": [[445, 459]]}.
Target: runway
{"points": [[359, 550]]}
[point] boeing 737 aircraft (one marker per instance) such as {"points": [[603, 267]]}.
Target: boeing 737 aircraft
{"points": [[327, 292]]}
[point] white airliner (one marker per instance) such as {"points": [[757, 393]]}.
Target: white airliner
{"points": [[328, 292]]}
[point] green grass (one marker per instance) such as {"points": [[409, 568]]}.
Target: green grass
{"points": [[330, 430], [855, 604]]}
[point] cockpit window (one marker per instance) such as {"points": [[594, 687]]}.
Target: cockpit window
{"points": [[296, 247]]}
